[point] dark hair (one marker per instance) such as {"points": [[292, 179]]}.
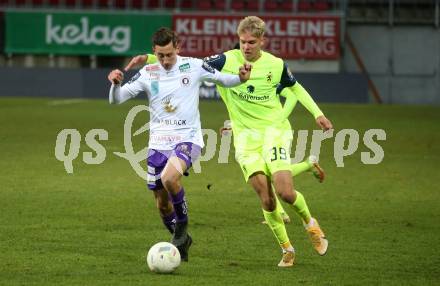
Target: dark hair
{"points": [[164, 36]]}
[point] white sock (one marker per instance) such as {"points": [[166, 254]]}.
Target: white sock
{"points": [[310, 224]]}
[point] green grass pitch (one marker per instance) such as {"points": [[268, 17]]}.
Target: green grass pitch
{"points": [[95, 226]]}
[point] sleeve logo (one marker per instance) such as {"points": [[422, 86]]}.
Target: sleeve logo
{"points": [[134, 78], [208, 68]]}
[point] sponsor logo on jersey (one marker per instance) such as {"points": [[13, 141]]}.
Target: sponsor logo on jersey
{"points": [[250, 97], [250, 88], [154, 76], [184, 68], [152, 68], [134, 78], [154, 87], [175, 122], [208, 68]]}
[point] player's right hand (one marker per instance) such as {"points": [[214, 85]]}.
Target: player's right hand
{"points": [[244, 72], [324, 123], [136, 61], [115, 76]]}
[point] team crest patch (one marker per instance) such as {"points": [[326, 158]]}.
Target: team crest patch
{"points": [[167, 106], [184, 67], [250, 88], [269, 77], [185, 81]]}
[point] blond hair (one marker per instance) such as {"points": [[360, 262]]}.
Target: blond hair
{"points": [[253, 25]]}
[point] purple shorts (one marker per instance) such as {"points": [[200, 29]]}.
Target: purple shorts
{"points": [[157, 159]]}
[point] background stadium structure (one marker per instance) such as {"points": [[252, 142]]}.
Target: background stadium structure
{"points": [[93, 227]]}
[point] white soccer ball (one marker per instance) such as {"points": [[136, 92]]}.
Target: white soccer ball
{"points": [[163, 257]]}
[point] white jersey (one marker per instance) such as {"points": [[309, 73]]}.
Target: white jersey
{"points": [[174, 99]]}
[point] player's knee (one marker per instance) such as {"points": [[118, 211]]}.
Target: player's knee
{"points": [[268, 203], [288, 196], [171, 184], [165, 208]]}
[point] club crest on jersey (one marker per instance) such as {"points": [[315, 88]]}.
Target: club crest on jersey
{"points": [[167, 106], [250, 88], [152, 68], [184, 68], [269, 77], [185, 81]]}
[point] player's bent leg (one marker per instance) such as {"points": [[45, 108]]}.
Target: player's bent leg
{"points": [[281, 210], [317, 170], [317, 236], [166, 209], [311, 164], [283, 184], [262, 186], [177, 164], [288, 259]]}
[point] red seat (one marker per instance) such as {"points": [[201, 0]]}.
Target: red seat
{"points": [[252, 5], [304, 6], [170, 4], [153, 4], [36, 3], [271, 5], [204, 5], [237, 5], [104, 3], [287, 6], [137, 4], [120, 4], [20, 2], [321, 6], [186, 4], [54, 3], [70, 3], [87, 3], [220, 5]]}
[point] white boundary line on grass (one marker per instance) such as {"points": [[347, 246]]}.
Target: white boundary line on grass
{"points": [[66, 101]]}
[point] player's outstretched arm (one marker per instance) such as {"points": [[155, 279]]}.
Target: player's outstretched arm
{"points": [[117, 94], [308, 102], [211, 74], [290, 103]]}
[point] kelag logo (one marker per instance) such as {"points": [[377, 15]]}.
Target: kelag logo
{"points": [[118, 38]]}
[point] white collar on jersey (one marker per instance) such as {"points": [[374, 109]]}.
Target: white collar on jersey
{"points": [[174, 68]]}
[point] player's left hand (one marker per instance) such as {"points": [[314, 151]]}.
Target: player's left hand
{"points": [[324, 123], [245, 72]]}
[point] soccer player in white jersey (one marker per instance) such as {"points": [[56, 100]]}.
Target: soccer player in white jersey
{"points": [[172, 86]]}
